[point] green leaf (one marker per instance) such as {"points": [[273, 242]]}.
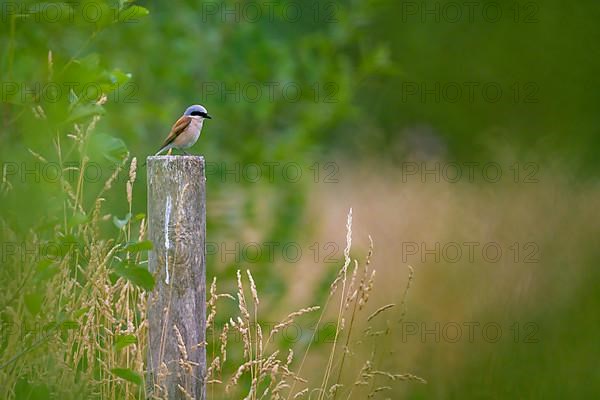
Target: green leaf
{"points": [[118, 77], [134, 247], [73, 98], [139, 276], [133, 14], [33, 302], [139, 217], [110, 147], [120, 223], [80, 312], [67, 238], [78, 219], [91, 61], [113, 80], [49, 326], [63, 245], [124, 341], [45, 270], [69, 325], [128, 375], [82, 111]]}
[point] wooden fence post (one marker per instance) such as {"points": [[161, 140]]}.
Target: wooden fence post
{"points": [[177, 305]]}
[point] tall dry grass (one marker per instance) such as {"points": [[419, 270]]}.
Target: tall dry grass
{"points": [[274, 374], [89, 327], [90, 333], [557, 213]]}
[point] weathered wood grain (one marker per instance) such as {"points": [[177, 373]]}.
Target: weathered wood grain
{"points": [[177, 305]]}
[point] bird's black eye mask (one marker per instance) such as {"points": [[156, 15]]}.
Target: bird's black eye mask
{"points": [[200, 114]]}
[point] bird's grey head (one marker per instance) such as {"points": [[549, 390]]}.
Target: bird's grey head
{"points": [[197, 111]]}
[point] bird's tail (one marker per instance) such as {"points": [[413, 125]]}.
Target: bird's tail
{"points": [[167, 147], [160, 151]]}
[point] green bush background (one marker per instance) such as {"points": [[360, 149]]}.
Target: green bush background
{"points": [[354, 64]]}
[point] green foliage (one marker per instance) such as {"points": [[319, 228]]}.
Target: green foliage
{"points": [[124, 341], [134, 247], [128, 375], [139, 276], [139, 65]]}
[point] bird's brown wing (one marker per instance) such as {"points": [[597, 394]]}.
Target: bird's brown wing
{"points": [[179, 126]]}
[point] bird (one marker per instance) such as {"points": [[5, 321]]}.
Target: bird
{"points": [[186, 130]]}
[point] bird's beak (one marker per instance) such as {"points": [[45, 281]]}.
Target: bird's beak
{"points": [[208, 116]]}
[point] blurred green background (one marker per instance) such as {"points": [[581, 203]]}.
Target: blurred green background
{"points": [[352, 90]]}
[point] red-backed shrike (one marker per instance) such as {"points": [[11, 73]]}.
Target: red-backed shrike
{"points": [[186, 131]]}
